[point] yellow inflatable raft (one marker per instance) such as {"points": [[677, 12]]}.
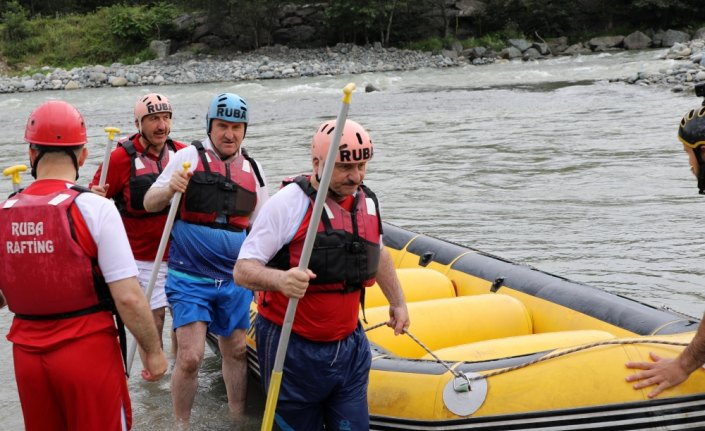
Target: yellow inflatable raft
{"points": [[495, 345]]}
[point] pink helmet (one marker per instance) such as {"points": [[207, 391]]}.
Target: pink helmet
{"points": [[355, 143], [151, 104]]}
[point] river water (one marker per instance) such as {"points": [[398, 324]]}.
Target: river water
{"points": [[546, 163]]}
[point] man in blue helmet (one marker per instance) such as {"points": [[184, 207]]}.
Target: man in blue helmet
{"points": [[223, 190]]}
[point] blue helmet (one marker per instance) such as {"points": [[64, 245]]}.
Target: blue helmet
{"points": [[227, 107]]}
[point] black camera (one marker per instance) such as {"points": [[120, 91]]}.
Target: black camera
{"points": [[700, 89]]}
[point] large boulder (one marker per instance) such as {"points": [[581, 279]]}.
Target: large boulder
{"points": [[637, 40], [699, 33], [604, 43], [671, 37], [160, 48]]}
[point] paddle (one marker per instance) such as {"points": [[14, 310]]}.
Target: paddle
{"points": [[111, 131], [157, 263], [277, 371], [14, 173]]}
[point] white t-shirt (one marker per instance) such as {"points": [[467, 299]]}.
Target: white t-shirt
{"points": [[190, 155]]}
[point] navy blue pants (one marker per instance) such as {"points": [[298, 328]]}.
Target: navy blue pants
{"points": [[324, 384]]}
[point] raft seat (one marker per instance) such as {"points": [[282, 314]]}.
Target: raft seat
{"points": [[446, 322], [488, 350], [419, 284]]}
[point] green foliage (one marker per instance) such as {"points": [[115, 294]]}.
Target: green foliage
{"points": [[15, 32], [76, 40], [141, 24], [352, 20], [16, 22], [495, 41], [434, 44]]}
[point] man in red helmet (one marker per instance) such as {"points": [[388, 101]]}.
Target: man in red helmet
{"points": [[134, 165], [65, 268], [326, 369]]}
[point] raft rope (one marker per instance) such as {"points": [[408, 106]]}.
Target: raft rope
{"points": [[574, 350], [423, 346], [535, 361]]}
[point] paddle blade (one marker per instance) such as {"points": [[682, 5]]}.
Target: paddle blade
{"points": [[272, 395]]}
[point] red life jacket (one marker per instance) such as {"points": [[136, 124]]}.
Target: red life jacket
{"points": [[219, 194], [45, 272], [345, 255], [144, 171]]}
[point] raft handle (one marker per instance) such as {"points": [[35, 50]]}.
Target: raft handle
{"points": [[426, 258], [496, 284]]}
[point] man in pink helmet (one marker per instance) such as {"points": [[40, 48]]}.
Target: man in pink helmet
{"points": [[328, 360], [134, 165], [65, 268]]}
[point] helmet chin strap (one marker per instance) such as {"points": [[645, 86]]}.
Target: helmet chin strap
{"points": [[701, 173], [41, 154]]}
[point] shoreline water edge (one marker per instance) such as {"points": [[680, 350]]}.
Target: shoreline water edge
{"points": [[279, 62]]}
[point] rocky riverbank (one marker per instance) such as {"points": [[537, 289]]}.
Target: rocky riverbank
{"points": [[266, 63], [684, 74], [281, 62]]}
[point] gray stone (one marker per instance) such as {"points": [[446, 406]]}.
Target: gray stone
{"points": [[699, 33], [671, 37], [510, 53], [605, 42], [637, 40], [520, 44], [577, 49], [450, 53], [97, 77], [117, 81], [369, 88], [160, 48], [542, 48], [72, 85], [531, 54]]}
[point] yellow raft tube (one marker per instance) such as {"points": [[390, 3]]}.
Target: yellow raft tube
{"points": [[494, 346]]}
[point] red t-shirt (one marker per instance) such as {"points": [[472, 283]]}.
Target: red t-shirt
{"points": [[144, 233]]}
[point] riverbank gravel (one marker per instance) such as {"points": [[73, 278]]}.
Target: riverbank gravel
{"points": [[281, 62], [265, 63]]}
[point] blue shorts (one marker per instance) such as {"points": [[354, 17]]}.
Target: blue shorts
{"points": [[323, 383], [222, 304]]}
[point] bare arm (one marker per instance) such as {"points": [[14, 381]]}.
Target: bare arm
{"points": [[157, 198], [255, 276], [134, 310], [668, 372], [3, 302], [389, 283]]}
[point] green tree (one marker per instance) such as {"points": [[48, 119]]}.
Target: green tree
{"points": [[141, 24], [16, 32]]}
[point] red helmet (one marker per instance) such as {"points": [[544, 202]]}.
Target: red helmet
{"points": [[56, 124], [355, 144]]}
